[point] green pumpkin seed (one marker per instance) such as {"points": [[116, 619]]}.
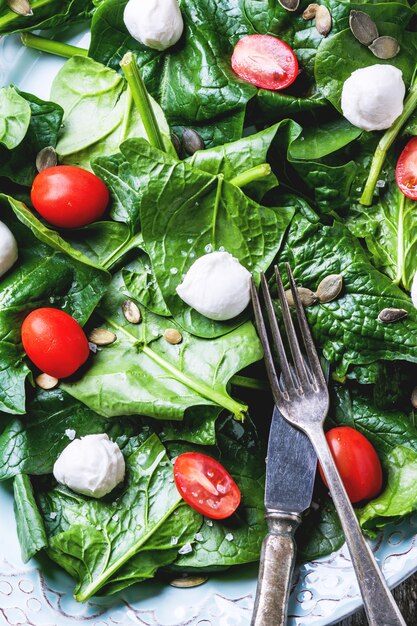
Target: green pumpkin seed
{"points": [[307, 297], [191, 141], [363, 27], [289, 5], [21, 7], [392, 315], [47, 157], [329, 288], [385, 47]]}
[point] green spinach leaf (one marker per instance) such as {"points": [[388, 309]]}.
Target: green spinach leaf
{"points": [[184, 213], [347, 329], [143, 373], [125, 538], [46, 14], [82, 87], [32, 444], [42, 276], [30, 528], [14, 117], [237, 539], [18, 165]]}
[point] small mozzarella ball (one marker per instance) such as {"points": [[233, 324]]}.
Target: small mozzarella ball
{"points": [[8, 249], [372, 97], [217, 286], [414, 291], [157, 24], [92, 465]]}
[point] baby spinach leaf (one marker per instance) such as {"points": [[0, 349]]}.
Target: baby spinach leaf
{"points": [[239, 156], [82, 87], [32, 445], [18, 165], [46, 14], [318, 141], [339, 56], [30, 528], [46, 235], [237, 539], [385, 429], [347, 329], [42, 276], [185, 213], [140, 282], [400, 495], [143, 373], [389, 227], [14, 117], [192, 81], [97, 540]]}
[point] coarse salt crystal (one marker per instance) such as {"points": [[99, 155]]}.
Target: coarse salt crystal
{"points": [[186, 549], [70, 433], [174, 541], [229, 537], [53, 514], [198, 537]]}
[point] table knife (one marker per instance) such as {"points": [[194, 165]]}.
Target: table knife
{"points": [[290, 472]]}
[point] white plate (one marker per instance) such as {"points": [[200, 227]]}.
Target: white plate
{"points": [[40, 594]]}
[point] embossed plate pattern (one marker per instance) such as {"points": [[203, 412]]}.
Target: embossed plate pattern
{"points": [[40, 594]]}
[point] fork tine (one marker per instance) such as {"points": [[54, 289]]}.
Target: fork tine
{"points": [[260, 325], [276, 336], [298, 359], [305, 330]]}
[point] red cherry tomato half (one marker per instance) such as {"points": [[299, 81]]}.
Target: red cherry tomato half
{"points": [[406, 170], [265, 61], [357, 461], [68, 196], [205, 485], [54, 341]]}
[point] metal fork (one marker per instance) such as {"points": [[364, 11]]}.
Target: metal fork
{"points": [[303, 399]]}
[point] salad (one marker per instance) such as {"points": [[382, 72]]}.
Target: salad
{"points": [[176, 159]]}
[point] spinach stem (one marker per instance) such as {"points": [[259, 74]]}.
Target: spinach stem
{"points": [[400, 241], [141, 100], [53, 47], [254, 173], [10, 16], [205, 390], [249, 383], [220, 179], [384, 145]]}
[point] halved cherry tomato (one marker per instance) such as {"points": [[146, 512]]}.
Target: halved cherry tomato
{"points": [[68, 196], [265, 61], [357, 461], [406, 170], [54, 341], [205, 485]]}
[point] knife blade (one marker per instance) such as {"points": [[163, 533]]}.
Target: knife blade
{"points": [[290, 473], [291, 467]]}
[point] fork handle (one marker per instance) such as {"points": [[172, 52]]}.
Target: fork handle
{"points": [[275, 569], [379, 604]]}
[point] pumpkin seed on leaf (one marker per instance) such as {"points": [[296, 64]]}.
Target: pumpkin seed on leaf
{"points": [[363, 27], [385, 47]]}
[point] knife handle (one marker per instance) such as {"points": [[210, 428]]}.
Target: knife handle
{"points": [[275, 569]]}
